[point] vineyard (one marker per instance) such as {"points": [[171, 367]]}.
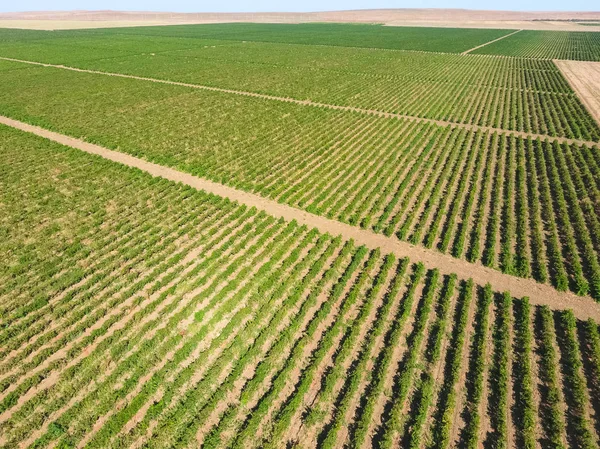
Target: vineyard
{"points": [[513, 94], [525, 206], [579, 46], [139, 310], [216, 324]]}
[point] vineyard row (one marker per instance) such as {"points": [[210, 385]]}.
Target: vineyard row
{"points": [[518, 95], [527, 207], [153, 314]]}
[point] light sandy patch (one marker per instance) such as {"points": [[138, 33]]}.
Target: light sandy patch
{"points": [[50, 25], [584, 78], [583, 307], [430, 17]]}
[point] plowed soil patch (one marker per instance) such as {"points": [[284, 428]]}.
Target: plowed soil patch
{"points": [[584, 78]]}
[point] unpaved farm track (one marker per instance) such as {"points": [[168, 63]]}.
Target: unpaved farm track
{"points": [[583, 307], [584, 78], [490, 42], [467, 126]]}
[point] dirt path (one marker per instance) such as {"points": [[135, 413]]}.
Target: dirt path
{"points": [[584, 78], [488, 43], [583, 307], [316, 104]]}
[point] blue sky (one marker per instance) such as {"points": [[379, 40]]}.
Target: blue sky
{"points": [[294, 5]]}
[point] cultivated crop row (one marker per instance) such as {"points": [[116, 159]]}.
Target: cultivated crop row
{"points": [[575, 45], [154, 315], [508, 93], [527, 207], [335, 34]]}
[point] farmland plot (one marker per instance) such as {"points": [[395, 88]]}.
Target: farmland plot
{"points": [[138, 312], [450, 40], [575, 45], [507, 93], [156, 315], [525, 206], [67, 49]]}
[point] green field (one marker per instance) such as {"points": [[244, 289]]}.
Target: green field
{"points": [[140, 312], [516, 204], [447, 40], [339, 35], [575, 45], [104, 245], [514, 94]]}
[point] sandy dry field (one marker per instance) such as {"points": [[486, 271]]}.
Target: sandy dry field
{"points": [[565, 21], [584, 77], [75, 24]]}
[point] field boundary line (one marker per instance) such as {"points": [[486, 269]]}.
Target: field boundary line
{"points": [[467, 126], [539, 294], [490, 42]]}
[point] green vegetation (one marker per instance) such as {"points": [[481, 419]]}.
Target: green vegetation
{"points": [[138, 312], [186, 301], [452, 40], [514, 94], [553, 419], [533, 196], [472, 412], [575, 45]]}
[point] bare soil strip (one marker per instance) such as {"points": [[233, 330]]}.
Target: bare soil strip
{"points": [[583, 307], [316, 104], [584, 78], [488, 43]]}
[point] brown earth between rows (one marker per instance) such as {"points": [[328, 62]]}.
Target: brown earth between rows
{"points": [[583, 307]]}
